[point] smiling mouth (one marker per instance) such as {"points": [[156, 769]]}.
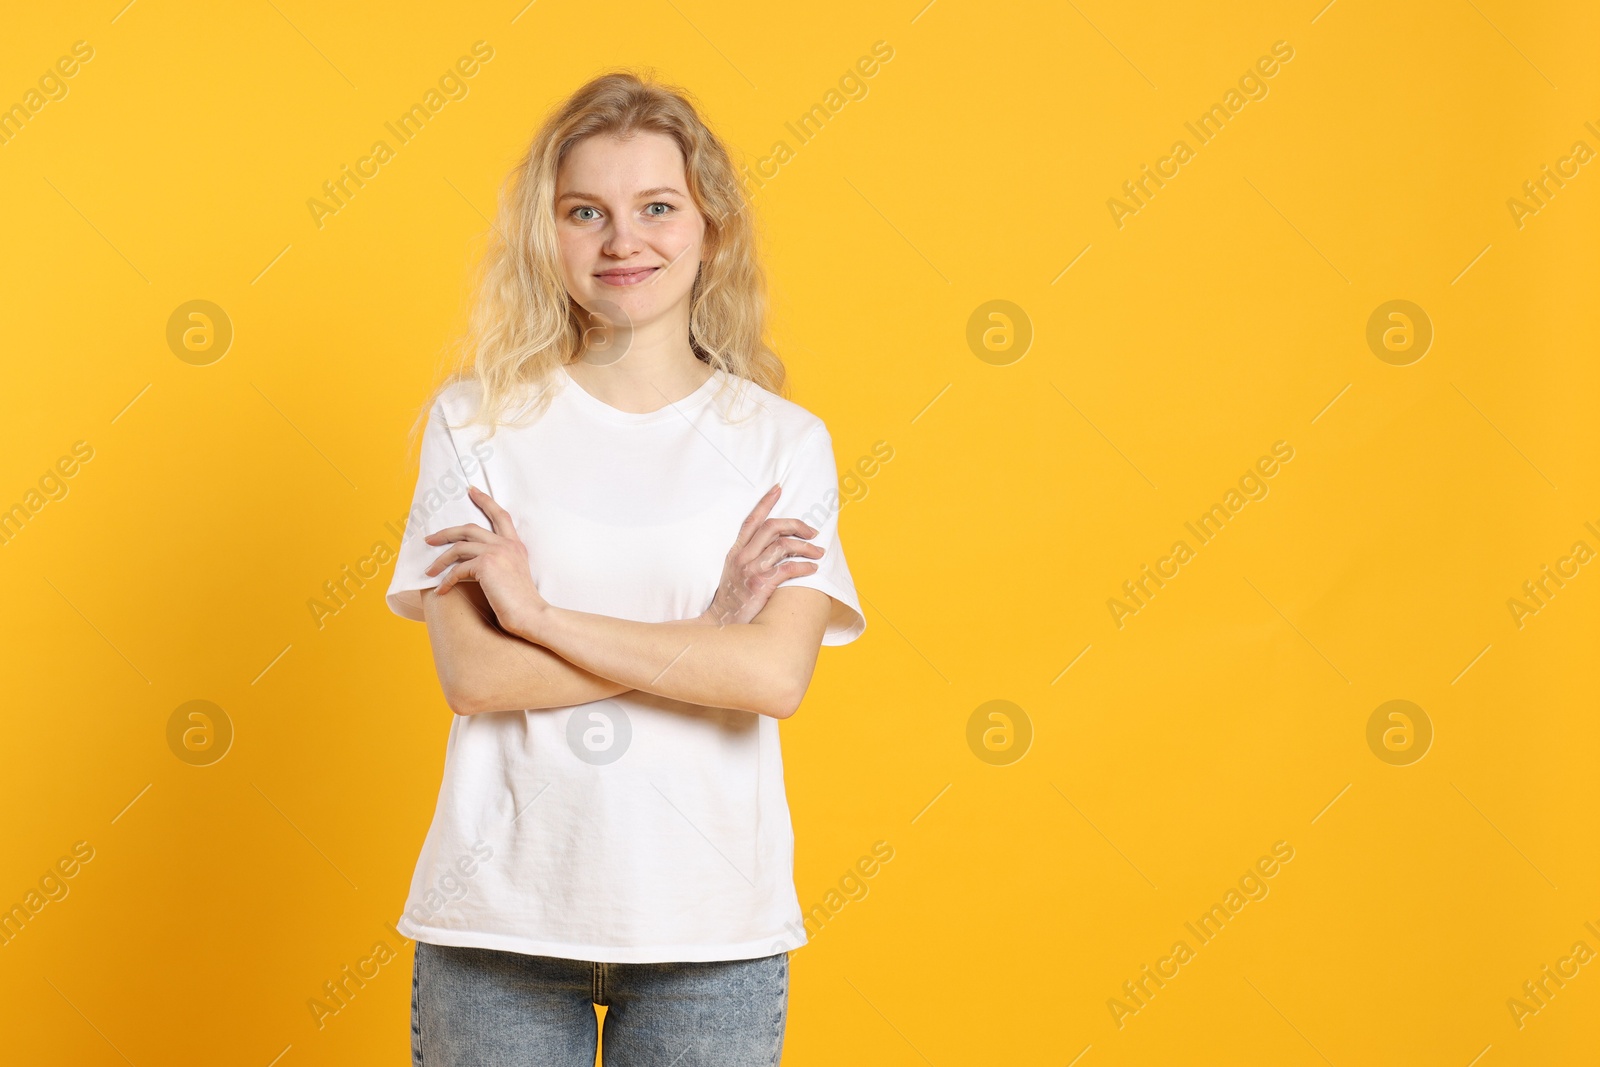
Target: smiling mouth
{"points": [[627, 277]]}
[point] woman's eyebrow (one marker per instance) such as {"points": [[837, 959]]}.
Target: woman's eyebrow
{"points": [[637, 196]]}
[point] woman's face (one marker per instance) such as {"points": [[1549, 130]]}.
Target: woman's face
{"points": [[631, 237]]}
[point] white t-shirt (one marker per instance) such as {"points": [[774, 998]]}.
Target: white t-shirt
{"points": [[633, 829]]}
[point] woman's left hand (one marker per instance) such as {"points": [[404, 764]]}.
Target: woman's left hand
{"points": [[496, 559]]}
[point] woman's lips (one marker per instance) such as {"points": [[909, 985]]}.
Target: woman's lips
{"points": [[632, 277]]}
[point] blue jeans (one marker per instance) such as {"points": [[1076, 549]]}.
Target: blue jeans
{"points": [[479, 1007]]}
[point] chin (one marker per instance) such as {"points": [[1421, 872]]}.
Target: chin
{"points": [[639, 301]]}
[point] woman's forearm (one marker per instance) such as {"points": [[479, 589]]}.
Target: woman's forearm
{"points": [[517, 675], [484, 668], [728, 657], [692, 661]]}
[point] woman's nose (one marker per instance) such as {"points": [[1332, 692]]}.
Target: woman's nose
{"points": [[622, 238]]}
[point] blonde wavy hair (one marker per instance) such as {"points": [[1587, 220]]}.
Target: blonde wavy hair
{"points": [[523, 324]]}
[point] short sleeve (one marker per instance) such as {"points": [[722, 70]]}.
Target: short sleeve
{"points": [[811, 494], [440, 500]]}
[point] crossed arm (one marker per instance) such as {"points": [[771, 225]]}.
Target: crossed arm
{"points": [[499, 646], [764, 666]]}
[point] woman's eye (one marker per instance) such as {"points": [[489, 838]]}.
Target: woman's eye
{"points": [[660, 204], [578, 209]]}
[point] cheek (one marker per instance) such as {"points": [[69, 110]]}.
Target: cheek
{"points": [[576, 255], [685, 240], [570, 244]]}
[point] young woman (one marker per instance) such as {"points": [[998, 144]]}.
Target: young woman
{"points": [[612, 826]]}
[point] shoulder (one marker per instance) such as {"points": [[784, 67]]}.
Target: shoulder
{"points": [[458, 399], [783, 419], [451, 417]]}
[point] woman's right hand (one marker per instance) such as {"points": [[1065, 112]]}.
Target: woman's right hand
{"points": [[758, 562]]}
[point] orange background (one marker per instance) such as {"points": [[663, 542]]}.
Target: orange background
{"points": [[1041, 860]]}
